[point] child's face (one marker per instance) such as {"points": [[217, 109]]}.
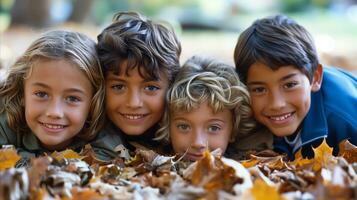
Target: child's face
{"points": [[134, 104], [281, 98], [57, 102], [194, 130]]}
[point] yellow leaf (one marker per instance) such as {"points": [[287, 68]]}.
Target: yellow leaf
{"points": [[323, 156], [348, 151], [262, 191], [66, 154], [300, 161], [8, 158]]}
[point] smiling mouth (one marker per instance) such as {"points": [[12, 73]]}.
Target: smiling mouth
{"points": [[53, 126], [281, 117], [133, 117]]}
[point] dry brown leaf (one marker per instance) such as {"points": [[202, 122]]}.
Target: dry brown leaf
{"points": [[66, 154], [348, 151]]}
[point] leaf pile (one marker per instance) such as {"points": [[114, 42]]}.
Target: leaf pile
{"points": [[147, 175]]}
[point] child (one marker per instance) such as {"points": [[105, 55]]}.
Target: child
{"points": [[298, 99], [207, 108], [52, 97], [139, 60]]}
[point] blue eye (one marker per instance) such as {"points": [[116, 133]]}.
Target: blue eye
{"points": [[214, 128], [152, 88], [41, 94]]}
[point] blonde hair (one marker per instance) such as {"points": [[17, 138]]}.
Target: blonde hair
{"points": [[200, 80], [73, 47]]}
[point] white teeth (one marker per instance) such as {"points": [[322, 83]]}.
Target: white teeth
{"points": [[280, 118], [53, 126], [133, 117]]}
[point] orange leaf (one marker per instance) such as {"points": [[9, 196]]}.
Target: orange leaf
{"points": [[249, 163], [8, 158], [41, 194], [300, 161], [204, 167], [85, 193], [66, 154]]}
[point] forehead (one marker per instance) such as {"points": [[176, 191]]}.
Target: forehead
{"points": [[124, 69], [203, 111], [135, 74], [260, 71]]}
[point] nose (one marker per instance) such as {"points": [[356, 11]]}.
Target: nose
{"points": [[277, 100], [55, 109], [199, 140], [134, 99]]}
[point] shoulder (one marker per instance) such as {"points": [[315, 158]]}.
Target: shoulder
{"points": [[105, 143], [338, 95], [258, 140], [336, 78], [109, 136], [7, 136]]}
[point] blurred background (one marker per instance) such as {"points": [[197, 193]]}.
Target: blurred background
{"points": [[205, 27]]}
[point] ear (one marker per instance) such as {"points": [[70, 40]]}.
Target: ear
{"points": [[317, 79]]}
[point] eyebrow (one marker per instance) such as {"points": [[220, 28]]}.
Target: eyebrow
{"points": [[281, 79], [117, 78], [67, 90], [210, 120]]}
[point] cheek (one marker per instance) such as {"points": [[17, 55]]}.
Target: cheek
{"points": [[158, 103], [79, 115], [111, 100], [179, 141], [257, 106], [221, 142], [305, 102]]}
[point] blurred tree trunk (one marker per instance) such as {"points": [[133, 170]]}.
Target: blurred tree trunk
{"points": [[81, 9], [31, 12]]}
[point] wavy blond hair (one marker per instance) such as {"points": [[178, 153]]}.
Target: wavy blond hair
{"points": [[73, 47], [200, 80]]}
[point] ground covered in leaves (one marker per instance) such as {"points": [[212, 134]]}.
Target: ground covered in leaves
{"points": [[147, 175]]}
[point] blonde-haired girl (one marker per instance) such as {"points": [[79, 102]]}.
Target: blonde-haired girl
{"points": [[52, 96]]}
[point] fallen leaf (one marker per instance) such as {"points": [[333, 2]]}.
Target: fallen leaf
{"points": [[8, 158], [262, 191], [348, 151], [66, 154]]}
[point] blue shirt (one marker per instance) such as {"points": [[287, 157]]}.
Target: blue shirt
{"points": [[332, 115]]}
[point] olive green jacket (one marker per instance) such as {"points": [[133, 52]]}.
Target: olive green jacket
{"points": [[105, 143]]}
